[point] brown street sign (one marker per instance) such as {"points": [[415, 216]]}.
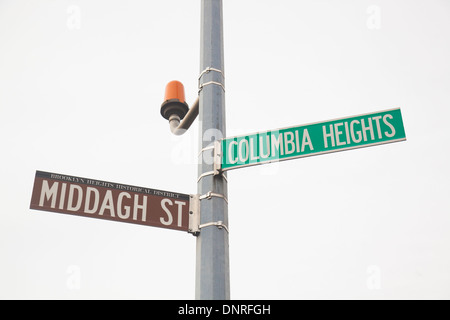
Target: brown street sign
{"points": [[110, 201]]}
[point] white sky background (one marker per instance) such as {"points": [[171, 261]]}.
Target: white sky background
{"points": [[80, 95]]}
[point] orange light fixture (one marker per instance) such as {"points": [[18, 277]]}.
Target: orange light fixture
{"points": [[174, 101]]}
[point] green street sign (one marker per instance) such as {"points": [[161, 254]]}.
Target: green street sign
{"points": [[313, 139]]}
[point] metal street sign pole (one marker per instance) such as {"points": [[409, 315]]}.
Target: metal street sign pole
{"points": [[212, 265]]}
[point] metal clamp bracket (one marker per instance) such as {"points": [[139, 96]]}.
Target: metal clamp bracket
{"points": [[217, 161], [208, 70], [206, 149], [200, 87], [212, 173], [194, 214], [209, 173], [210, 195], [218, 224]]}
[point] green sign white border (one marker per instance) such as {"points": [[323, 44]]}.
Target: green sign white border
{"points": [[219, 147]]}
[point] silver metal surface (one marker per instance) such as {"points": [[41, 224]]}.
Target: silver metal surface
{"points": [[212, 266], [179, 127]]}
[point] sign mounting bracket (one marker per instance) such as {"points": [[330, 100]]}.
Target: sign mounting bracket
{"points": [[194, 215], [218, 158]]}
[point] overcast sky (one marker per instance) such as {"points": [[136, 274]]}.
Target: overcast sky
{"points": [[81, 84]]}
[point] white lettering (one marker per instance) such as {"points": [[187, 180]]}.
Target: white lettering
{"points": [[278, 145], [63, 196], [138, 206], [328, 135], [347, 132], [226, 309], [338, 133], [389, 135], [70, 205], [107, 204], [352, 130], [90, 190], [368, 128], [289, 144], [247, 153], [167, 211], [252, 151], [297, 141], [48, 193], [306, 141], [261, 143], [377, 120], [180, 212], [205, 311], [119, 206], [244, 309], [231, 153]]}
